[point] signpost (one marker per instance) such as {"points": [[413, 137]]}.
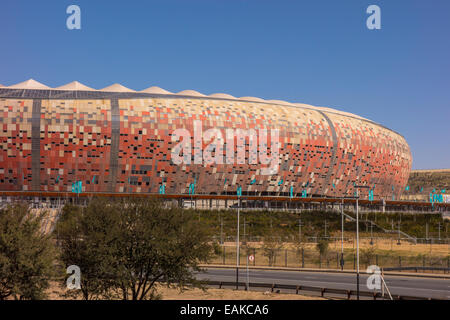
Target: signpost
{"points": [[251, 258]]}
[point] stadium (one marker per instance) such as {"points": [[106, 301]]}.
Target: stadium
{"points": [[118, 140]]}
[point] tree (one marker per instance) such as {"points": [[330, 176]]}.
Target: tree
{"points": [[131, 244], [26, 254], [86, 237], [271, 245], [322, 247], [367, 256]]}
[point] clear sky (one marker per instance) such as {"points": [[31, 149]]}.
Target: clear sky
{"points": [[318, 52]]}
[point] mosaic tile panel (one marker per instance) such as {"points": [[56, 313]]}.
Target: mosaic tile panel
{"points": [[75, 144], [15, 144], [321, 151]]}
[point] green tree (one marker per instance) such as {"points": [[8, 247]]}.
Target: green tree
{"points": [[367, 256], [322, 247], [26, 254], [271, 245], [86, 237], [133, 244]]}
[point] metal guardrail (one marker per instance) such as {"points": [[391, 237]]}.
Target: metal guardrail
{"points": [[347, 293], [446, 270]]}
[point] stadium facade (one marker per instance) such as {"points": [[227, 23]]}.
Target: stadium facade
{"points": [[122, 141]]}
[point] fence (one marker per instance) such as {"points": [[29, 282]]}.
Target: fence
{"points": [[375, 239], [311, 258]]}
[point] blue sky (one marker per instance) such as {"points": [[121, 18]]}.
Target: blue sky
{"points": [[316, 51]]}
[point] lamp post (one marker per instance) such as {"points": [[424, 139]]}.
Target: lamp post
{"points": [[237, 248], [239, 192], [357, 237], [342, 234]]}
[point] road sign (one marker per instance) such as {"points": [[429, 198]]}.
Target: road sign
{"points": [[251, 258]]}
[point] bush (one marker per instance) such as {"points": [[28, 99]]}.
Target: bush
{"points": [[26, 254], [322, 247], [368, 256]]}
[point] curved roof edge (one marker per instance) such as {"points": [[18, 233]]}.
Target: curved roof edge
{"points": [[222, 96], [254, 99], [26, 89], [327, 109], [281, 102]]}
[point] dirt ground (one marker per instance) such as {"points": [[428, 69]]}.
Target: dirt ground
{"points": [[55, 293], [229, 294]]}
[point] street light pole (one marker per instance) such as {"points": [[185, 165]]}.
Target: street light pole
{"points": [[342, 234], [300, 230], [357, 246], [237, 246], [357, 238]]}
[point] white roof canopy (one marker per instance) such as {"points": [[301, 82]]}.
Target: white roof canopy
{"points": [[190, 93], [252, 99], [280, 102], [156, 90], [116, 87], [75, 86], [222, 95], [30, 84]]}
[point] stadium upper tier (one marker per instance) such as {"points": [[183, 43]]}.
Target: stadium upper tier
{"points": [[119, 140]]}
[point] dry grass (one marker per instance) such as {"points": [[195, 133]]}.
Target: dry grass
{"points": [[229, 294], [378, 244], [385, 251], [56, 293]]}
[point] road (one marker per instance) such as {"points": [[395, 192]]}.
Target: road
{"points": [[398, 285]]}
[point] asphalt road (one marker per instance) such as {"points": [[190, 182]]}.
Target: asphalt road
{"points": [[398, 285]]}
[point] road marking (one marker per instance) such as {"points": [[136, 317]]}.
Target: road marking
{"points": [[292, 281], [346, 284]]}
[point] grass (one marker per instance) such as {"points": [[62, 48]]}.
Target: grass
{"points": [[222, 223]]}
